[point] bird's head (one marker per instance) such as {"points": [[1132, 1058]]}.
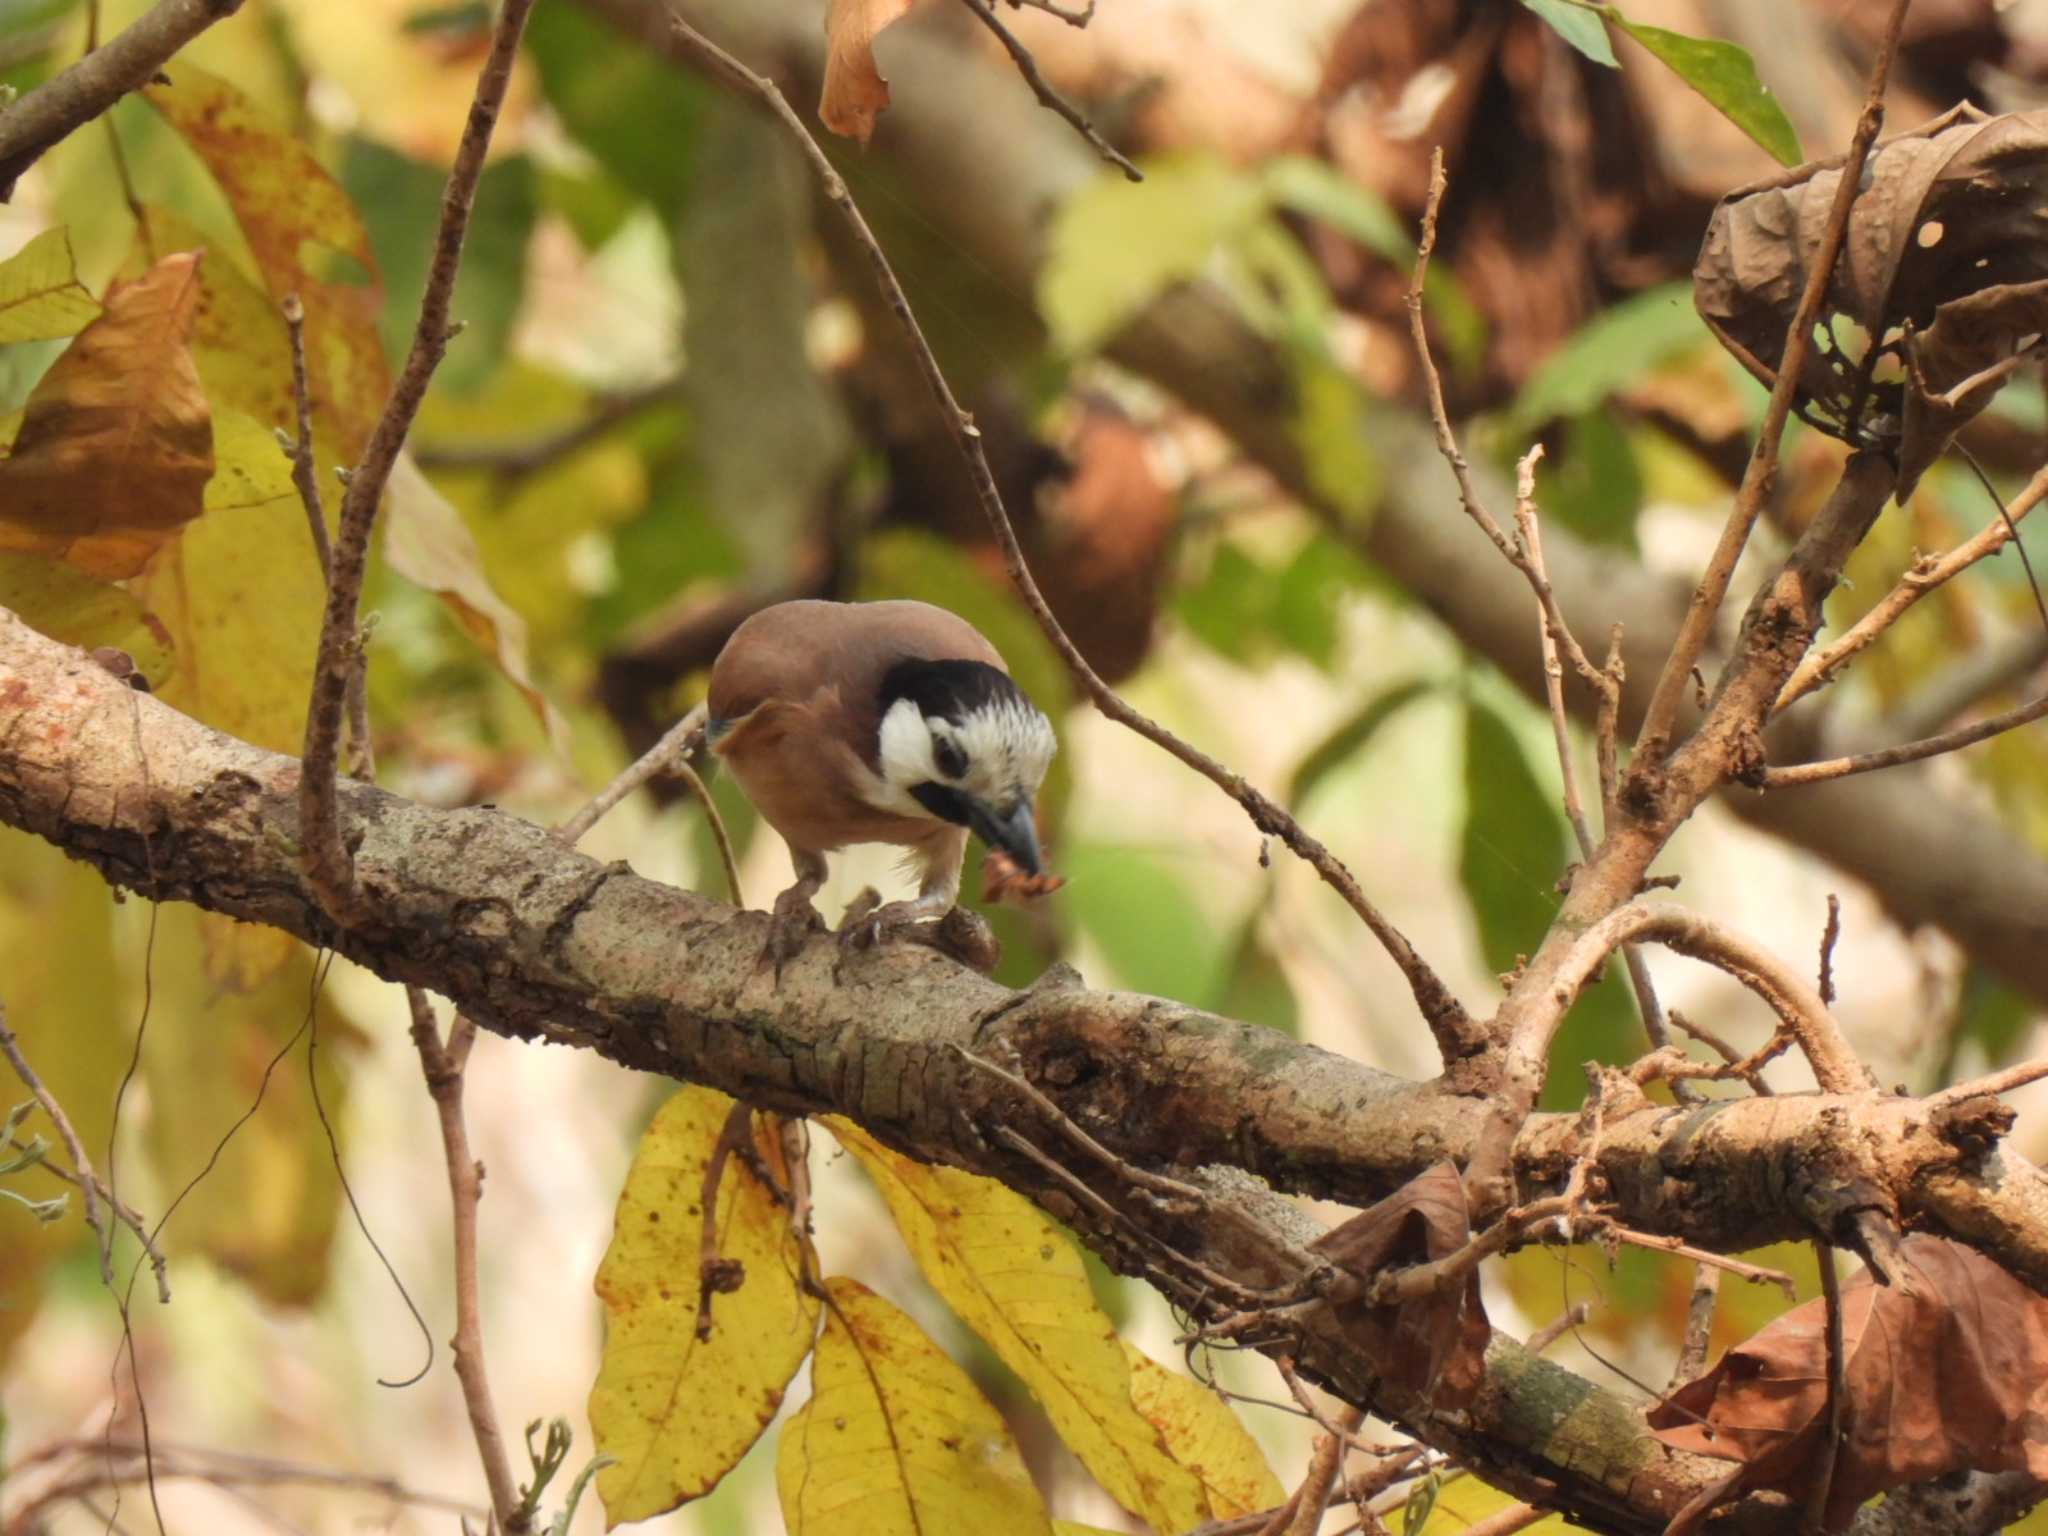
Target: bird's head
{"points": [[961, 741]]}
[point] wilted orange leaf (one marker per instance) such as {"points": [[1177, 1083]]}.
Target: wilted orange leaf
{"points": [[1953, 1375], [40, 294], [1017, 1281], [116, 444], [675, 1411], [1433, 1344], [1205, 1437], [896, 1440], [855, 92]]}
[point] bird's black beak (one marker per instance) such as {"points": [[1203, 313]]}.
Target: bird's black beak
{"points": [[1015, 832]]}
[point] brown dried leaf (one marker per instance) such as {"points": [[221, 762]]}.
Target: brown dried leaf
{"points": [[1004, 879], [116, 444], [1952, 1374], [855, 92], [1939, 271], [1435, 1344]]}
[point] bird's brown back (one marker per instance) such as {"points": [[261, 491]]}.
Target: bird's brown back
{"points": [[794, 651]]}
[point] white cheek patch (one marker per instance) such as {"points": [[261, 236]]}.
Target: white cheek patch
{"points": [[904, 753]]}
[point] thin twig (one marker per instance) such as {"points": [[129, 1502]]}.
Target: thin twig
{"points": [[1049, 98], [1552, 635], [223, 1468], [443, 1062], [1457, 1034], [1835, 1066], [1699, 1325], [714, 1272], [73, 98], [1924, 575], [1909, 752], [305, 473], [1760, 474], [1830, 935], [330, 868], [1997, 1082], [1572, 1317], [1073, 16], [88, 1194], [1838, 1392], [1756, 1274]]}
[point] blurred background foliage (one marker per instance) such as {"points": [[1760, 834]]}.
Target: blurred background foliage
{"points": [[675, 399]]}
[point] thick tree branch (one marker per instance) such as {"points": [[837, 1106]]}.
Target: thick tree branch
{"points": [[68, 101], [534, 940]]}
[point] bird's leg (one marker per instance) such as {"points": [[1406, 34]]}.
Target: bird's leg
{"points": [[957, 931], [794, 919]]}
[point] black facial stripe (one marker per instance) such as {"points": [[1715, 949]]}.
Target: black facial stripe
{"points": [[952, 762], [943, 801], [950, 690]]}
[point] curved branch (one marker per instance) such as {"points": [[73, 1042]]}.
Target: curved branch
{"points": [[1798, 1006]]}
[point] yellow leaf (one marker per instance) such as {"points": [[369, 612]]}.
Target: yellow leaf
{"points": [[65, 1002], [1464, 1501], [855, 92], [240, 591], [1017, 1281], [1205, 1437], [217, 1046], [66, 604], [116, 443], [249, 467], [305, 237], [426, 541], [677, 1412], [896, 1440], [411, 83], [1076, 1528], [40, 294]]}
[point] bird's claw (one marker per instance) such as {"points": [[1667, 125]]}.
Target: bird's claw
{"points": [[791, 924], [957, 932]]}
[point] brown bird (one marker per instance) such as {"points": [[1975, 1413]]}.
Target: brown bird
{"points": [[891, 722]]}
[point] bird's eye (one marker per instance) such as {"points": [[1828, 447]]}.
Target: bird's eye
{"points": [[946, 754]]}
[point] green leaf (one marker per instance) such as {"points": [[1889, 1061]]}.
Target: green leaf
{"points": [[1513, 847], [635, 114], [1229, 607], [1351, 736], [1578, 26], [1141, 914], [1318, 189], [1329, 428], [1607, 353], [1722, 73], [1116, 245], [1993, 1016], [401, 203], [1593, 485], [1255, 985], [40, 294]]}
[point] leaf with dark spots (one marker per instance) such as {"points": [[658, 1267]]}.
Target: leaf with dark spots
{"points": [[1433, 1345], [1940, 277], [1949, 1374]]}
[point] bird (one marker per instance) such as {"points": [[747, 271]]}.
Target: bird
{"points": [[877, 722]]}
